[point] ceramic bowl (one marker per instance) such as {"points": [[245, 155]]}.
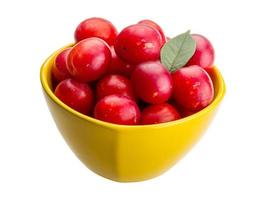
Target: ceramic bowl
{"points": [[128, 153]]}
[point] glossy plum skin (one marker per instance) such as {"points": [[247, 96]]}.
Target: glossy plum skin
{"points": [[204, 53], [118, 66], [138, 43], [114, 84], [88, 60], [155, 26], [59, 69], [159, 113], [152, 82], [96, 27], [117, 109], [192, 88], [78, 96]]}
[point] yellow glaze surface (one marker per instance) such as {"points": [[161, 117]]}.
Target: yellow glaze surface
{"points": [[128, 153]]}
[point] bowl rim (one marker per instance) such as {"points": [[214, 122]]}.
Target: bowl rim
{"points": [[43, 79]]}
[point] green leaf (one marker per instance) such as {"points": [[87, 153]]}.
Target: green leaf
{"points": [[177, 52]]}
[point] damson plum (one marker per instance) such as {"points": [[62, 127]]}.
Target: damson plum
{"points": [[78, 96], [88, 60], [138, 43], [117, 109], [159, 113], [114, 84], [204, 53], [152, 82], [96, 27], [155, 26], [59, 69], [192, 88]]}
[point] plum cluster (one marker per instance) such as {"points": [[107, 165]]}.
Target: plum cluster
{"points": [[119, 78]]}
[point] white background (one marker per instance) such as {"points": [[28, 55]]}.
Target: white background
{"points": [[35, 162]]}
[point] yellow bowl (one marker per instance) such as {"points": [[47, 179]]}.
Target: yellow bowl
{"points": [[127, 153]]}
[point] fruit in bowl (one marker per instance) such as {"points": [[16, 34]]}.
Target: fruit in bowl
{"points": [[129, 111]]}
